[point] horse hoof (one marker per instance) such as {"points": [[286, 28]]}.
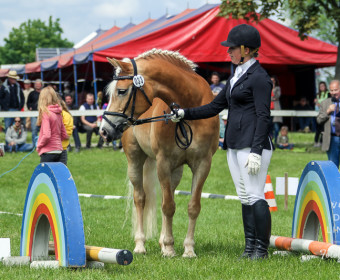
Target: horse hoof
{"points": [[190, 254], [139, 251], [169, 253]]}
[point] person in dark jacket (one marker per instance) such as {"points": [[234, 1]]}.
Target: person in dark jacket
{"points": [[247, 97], [11, 96], [71, 106], [32, 105], [90, 124]]}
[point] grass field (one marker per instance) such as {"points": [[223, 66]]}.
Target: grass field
{"points": [[219, 235]]}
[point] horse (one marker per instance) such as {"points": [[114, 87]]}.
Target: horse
{"points": [[144, 88]]}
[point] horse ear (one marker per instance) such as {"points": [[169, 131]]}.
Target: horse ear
{"points": [[113, 62], [125, 66]]}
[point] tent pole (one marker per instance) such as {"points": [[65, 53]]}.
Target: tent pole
{"points": [[60, 89], [94, 80], [42, 75], [75, 84]]}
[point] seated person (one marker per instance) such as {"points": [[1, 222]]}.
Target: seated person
{"points": [[90, 124], [283, 141], [16, 138], [304, 122]]}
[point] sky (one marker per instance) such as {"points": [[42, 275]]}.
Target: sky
{"points": [[78, 18]]}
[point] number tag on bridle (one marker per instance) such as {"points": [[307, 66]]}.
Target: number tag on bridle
{"points": [[138, 81]]}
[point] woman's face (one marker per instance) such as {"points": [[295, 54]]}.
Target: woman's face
{"points": [[273, 81], [235, 54], [322, 87]]}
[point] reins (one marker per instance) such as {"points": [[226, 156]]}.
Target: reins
{"points": [[138, 82]]}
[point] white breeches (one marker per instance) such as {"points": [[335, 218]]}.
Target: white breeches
{"points": [[249, 188]]}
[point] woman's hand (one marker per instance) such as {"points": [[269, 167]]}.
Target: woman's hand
{"points": [[177, 115]]}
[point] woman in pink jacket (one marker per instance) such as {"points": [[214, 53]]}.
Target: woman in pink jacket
{"points": [[52, 130]]}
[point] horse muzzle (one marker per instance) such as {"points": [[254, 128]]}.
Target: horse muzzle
{"points": [[110, 132]]}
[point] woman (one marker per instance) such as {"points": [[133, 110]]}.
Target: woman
{"points": [[68, 123], [249, 148], [52, 130], [275, 105], [321, 96]]}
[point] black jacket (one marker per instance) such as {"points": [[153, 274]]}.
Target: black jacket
{"points": [[5, 96], [248, 111], [32, 100]]}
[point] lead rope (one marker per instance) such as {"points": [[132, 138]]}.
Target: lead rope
{"points": [[181, 126]]}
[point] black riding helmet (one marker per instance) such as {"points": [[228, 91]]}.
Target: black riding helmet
{"points": [[245, 35]]}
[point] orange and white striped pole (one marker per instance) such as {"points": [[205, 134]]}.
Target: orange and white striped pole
{"points": [[317, 248], [108, 255], [269, 195]]}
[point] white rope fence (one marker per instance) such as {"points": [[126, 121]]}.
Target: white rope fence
{"points": [[77, 113]]}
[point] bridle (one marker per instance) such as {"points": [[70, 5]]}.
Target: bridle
{"points": [[138, 82]]}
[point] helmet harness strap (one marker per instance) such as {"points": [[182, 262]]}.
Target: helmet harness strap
{"points": [[243, 54]]}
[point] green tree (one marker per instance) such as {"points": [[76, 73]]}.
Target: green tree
{"points": [[320, 16], [21, 43]]}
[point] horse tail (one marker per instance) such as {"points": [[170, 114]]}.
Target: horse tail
{"points": [[150, 184]]}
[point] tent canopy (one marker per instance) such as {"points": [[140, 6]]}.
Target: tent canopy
{"points": [[199, 37]]}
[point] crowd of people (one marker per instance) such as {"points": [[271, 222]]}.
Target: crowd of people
{"points": [[53, 109], [13, 97]]}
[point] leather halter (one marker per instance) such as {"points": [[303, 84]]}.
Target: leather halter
{"points": [[138, 82]]}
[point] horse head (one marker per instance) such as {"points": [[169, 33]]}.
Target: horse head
{"points": [[126, 101]]}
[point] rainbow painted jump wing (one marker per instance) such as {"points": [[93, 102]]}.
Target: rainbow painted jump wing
{"points": [[318, 203], [52, 206]]}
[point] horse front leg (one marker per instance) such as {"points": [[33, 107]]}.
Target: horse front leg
{"points": [[200, 174], [168, 208], [135, 173]]}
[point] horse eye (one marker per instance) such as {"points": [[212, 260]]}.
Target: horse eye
{"points": [[121, 91]]}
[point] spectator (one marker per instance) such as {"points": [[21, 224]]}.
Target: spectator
{"points": [[304, 122], [27, 90], [16, 137], [283, 140], [32, 105], [322, 95], [275, 105], [90, 122], [67, 90], [11, 96], [52, 130], [216, 87], [76, 122], [329, 117], [68, 123]]}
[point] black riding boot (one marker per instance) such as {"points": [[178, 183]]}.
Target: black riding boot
{"points": [[249, 230], [263, 229]]}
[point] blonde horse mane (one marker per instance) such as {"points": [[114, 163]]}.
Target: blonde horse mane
{"points": [[174, 57]]}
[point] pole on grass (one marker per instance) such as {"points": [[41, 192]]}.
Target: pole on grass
{"points": [[286, 190]]}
